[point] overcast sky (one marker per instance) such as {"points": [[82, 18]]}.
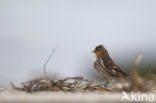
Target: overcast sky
{"points": [[30, 29]]}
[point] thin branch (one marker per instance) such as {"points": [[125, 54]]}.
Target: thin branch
{"points": [[138, 59], [53, 51]]}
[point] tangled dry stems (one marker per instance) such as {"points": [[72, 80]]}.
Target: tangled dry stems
{"points": [[67, 84]]}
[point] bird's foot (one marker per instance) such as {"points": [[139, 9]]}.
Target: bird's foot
{"points": [[107, 84]]}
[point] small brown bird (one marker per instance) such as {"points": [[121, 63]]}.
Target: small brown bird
{"points": [[104, 66]]}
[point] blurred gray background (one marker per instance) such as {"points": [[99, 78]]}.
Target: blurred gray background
{"points": [[30, 30]]}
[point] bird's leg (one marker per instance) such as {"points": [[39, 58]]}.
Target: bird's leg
{"points": [[108, 82], [122, 80]]}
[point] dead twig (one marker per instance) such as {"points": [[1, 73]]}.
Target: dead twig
{"points": [[53, 51]]}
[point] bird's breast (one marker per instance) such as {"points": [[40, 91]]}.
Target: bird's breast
{"points": [[94, 59]]}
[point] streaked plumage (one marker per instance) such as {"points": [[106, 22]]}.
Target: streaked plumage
{"points": [[104, 66]]}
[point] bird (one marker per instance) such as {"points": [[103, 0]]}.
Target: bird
{"points": [[105, 67]]}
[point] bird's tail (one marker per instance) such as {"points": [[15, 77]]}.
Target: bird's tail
{"points": [[128, 76], [125, 74]]}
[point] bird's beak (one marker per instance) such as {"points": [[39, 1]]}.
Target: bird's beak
{"points": [[93, 51]]}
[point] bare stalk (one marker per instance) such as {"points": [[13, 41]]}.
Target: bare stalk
{"points": [[45, 64], [138, 59]]}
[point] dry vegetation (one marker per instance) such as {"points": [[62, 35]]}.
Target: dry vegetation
{"points": [[73, 84], [67, 84]]}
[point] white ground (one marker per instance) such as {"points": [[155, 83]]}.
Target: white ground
{"points": [[12, 96]]}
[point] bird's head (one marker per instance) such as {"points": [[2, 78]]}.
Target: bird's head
{"points": [[99, 50]]}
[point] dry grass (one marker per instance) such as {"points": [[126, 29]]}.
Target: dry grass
{"points": [[73, 84]]}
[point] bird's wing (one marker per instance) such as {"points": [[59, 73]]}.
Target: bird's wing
{"points": [[105, 67], [118, 71], [113, 69]]}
